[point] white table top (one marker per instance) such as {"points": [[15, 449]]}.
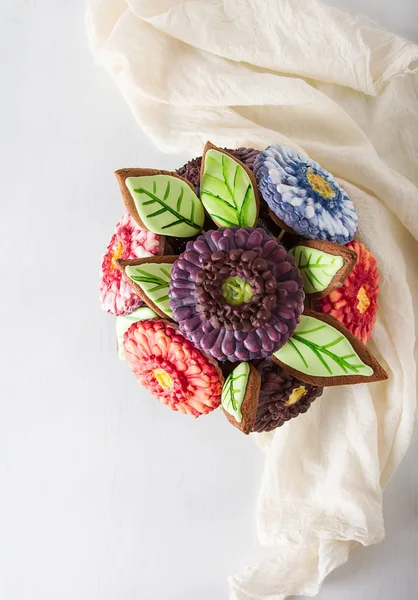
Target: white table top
{"points": [[106, 495]]}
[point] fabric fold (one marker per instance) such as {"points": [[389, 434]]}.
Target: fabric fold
{"points": [[300, 73]]}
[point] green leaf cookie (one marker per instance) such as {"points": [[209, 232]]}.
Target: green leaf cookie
{"points": [[317, 267], [323, 352], [233, 391], [324, 266], [228, 189], [162, 202], [150, 278], [154, 280]]}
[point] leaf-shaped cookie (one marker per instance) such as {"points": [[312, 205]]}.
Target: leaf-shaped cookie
{"points": [[123, 323], [150, 278], [324, 266], [240, 396], [228, 189], [161, 201], [323, 352]]}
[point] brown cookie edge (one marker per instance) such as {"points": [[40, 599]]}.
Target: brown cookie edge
{"points": [[281, 223]]}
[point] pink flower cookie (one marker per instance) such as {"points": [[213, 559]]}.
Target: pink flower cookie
{"points": [[128, 241]]}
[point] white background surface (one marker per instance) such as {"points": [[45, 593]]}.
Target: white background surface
{"points": [[105, 494]]}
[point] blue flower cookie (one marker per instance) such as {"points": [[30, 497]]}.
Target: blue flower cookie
{"points": [[304, 196]]}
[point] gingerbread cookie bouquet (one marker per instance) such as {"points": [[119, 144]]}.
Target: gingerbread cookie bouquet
{"points": [[237, 282]]}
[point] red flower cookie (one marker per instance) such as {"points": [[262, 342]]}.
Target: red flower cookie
{"points": [[355, 304], [171, 368]]}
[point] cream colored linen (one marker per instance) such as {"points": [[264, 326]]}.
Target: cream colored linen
{"points": [[256, 72]]}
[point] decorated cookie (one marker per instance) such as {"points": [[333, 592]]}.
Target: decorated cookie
{"points": [[123, 323], [191, 170], [355, 303], [228, 189], [304, 196], [128, 241], [269, 238], [171, 368], [150, 278], [161, 201], [240, 396], [324, 266], [323, 352], [236, 293], [282, 397]]}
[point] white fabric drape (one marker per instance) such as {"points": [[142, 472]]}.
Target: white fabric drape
{"points": [[257, 72]]}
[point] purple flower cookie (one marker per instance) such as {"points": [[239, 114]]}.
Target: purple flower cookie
{"points": [[236, 293], [282, 397]]}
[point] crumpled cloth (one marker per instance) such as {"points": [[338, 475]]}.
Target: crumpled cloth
{"points": [[259, 72]]}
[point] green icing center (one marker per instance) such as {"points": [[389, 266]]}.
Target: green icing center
{"points": [[237, 291]]}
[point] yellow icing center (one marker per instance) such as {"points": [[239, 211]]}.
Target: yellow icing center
{"points": [[363, 300], [116, 254], [164, 379], [296, 395], [318, 184]]}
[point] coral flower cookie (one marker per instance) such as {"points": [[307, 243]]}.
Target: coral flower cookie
{"points": [[171, 368], [304, 196], [236, 293], [355, 302], [128, 241], [282, 397]]}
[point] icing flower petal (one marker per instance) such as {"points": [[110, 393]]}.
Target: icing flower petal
{"points": [[355, 303], [171, 368], [304, 196], [244, 294], [128, 241]]}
